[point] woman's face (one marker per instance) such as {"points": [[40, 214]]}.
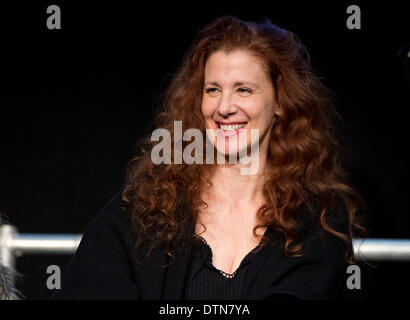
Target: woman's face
{"points": [[237, 94]]}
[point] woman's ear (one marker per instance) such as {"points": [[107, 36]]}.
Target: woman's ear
{"points": [[278, 110]]}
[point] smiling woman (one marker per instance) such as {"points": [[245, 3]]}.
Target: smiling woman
{"points": [[238, 94], [205, 231]]}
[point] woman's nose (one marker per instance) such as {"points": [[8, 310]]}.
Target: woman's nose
{"points": [[226, 105]]}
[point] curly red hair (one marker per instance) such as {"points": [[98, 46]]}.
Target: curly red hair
{"points": [[304, 157]]}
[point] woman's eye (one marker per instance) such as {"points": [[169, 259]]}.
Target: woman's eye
{"points": [[211, 90], [245, 90]]}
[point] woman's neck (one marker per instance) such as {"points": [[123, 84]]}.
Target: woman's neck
{"points": [[232, 197], [229, 185]]}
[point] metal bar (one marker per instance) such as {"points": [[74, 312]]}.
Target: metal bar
{"points": [[14, 244], [45, 243], [382, 249]]}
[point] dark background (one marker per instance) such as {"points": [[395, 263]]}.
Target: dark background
{"points": [[74, 102]]}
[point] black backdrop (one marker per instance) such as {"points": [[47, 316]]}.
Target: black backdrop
{"points": [[74, 101]]}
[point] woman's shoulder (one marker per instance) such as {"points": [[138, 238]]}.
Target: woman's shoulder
{"points": [[100, 268], [331, 240], [112, 213], [111, 225], [309, 220], [113, 206], [319, 269]]}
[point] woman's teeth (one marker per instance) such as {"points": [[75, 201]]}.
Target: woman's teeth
{"points": [[227, 127]]}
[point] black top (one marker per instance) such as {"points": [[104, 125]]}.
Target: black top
{"points": [[206, 282], [104, 267]]}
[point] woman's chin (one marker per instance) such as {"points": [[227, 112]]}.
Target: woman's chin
{"points": [[233, 152]]}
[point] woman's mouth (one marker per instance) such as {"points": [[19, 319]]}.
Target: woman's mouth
{"points": [[227, 130]]}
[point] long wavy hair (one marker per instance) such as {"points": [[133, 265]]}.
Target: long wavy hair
{"points": [[305, 168]]}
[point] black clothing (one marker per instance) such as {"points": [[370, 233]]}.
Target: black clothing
{"points": [[206, 282], [104, 268]]}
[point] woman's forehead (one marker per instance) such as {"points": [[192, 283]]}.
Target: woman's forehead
{"points": [[236, 66]]}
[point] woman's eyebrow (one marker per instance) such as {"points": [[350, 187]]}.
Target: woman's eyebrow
{"points": [[236, 84], [213, 83]]}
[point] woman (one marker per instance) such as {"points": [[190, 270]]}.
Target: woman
{"points": [[208, 231], [8, 276]]}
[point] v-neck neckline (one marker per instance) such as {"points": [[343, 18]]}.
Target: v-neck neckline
{"points": [[246, 259]]}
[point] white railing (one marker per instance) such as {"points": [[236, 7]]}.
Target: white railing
{"points": [[382, 249], [14, 244]]}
